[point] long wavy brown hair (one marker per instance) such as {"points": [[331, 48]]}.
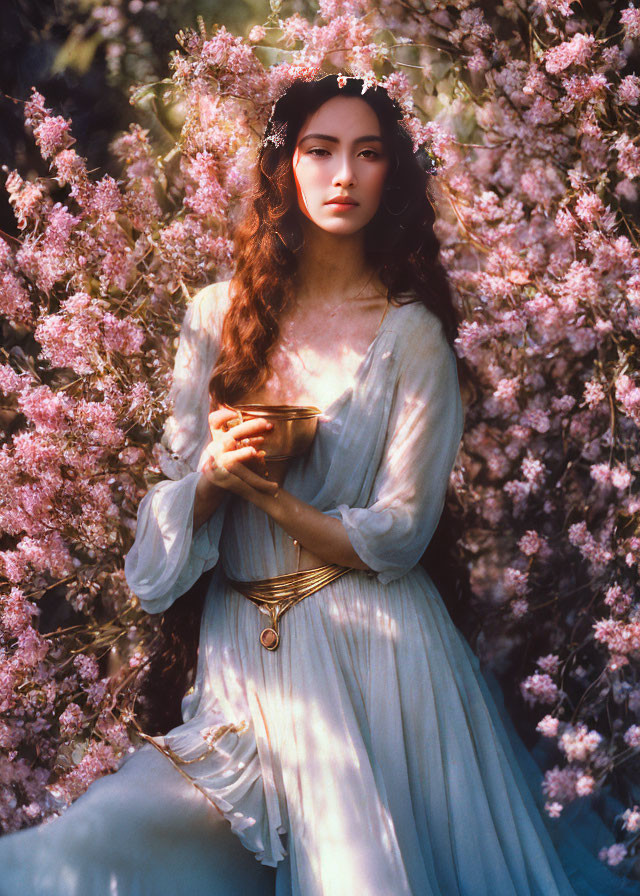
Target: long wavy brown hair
{"points": [[400, 244]]}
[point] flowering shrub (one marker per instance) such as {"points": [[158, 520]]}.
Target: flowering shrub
{"points": [[532, 117]]}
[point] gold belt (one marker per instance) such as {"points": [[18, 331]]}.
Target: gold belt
{"points": [[275, 596]]}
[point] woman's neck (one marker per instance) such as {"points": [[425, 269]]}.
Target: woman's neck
{"points": [[332, 266]]}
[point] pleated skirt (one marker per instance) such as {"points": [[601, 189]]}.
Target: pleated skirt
{"points": [[368, 754]]}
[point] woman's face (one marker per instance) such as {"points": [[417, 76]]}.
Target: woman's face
{"points": [[340, 154]]}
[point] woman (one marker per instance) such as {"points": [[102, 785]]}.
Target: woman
{"points": [[357, 747]]}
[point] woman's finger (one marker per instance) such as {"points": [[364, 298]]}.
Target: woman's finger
{"points": [[237, 468], [219, 460], [250, 440], [222, 415], [250, 427]]}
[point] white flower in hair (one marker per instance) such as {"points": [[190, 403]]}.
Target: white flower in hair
{"points": [[278, 134], [368, 80]]}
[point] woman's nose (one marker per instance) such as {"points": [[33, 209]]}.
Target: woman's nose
{"points": [[345, 174]]}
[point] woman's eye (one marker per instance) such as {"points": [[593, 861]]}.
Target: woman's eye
{"points": [[319, 152]]}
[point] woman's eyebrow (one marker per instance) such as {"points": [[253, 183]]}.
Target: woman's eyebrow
{"points": [[367, 139]]}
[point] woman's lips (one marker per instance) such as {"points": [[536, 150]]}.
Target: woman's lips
{"points": [[343, 203]]}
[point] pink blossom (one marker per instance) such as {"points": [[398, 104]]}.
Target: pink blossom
{"points": [[628, 156], [536, 81], [548, 726], [71, 720], [35, 108], [257, 34], [593, 393], [69, 167], [32, 646], [97, 691], [28, 199], [560, 784], [531, 543], [15, 302], [581, 88], [614, 854], [563, 404], [630, 20], [400, 88], [580, 536], [578, 743], [553, 809], [576, 51], [104, 198], [87, 666], [565, 222], [99, 419], [10, 381], [541, 112], [585, 785], [617, 661], [331, 9], [631, 818], [628, 394], [472, 28], [632, 736], [541, 185], [533, 470], [124, 336], [601, 473], [620, 637], [97, 760], [507, 390], [549, 663], [539, 688], [538, 419], [49, 552], [515, 581], [16, 612], [558, 7], [589, 207], [618, 600], [52, 135], [229, 56], [114, 732], [13, 565], [520, 607], [629, 90], [621, 476], [518, 492]]}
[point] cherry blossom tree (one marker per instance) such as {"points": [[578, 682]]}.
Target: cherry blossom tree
{"points": [[531, 113]]}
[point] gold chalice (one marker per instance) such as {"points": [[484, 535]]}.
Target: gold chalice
{"points": [[294, 428]]}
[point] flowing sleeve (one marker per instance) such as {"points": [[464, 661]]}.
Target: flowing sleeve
{"points": [[425, 426], [167, 557]]}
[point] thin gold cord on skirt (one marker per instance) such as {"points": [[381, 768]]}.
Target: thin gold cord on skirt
{"points": [[275, 596]]}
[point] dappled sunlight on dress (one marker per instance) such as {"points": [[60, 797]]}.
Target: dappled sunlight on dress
{"points": [[368, 754]]}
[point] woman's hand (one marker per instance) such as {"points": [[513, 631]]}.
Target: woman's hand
{"points": [[224, 459], [223, 464]]}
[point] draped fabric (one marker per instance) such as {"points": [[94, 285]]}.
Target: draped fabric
{"points": [[369, 753]]}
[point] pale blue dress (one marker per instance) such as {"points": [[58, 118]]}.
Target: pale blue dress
{"points": [[367, 755]]}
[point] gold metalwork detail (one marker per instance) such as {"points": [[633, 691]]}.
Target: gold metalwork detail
{"points": [[275, 596]]}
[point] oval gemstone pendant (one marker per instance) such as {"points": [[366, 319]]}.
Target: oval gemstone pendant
{"points": [[269, 638]]}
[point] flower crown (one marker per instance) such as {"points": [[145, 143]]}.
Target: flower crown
{"points": [[276, 128]]}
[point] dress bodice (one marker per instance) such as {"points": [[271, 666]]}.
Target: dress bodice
{"points": [[380, 461]]}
